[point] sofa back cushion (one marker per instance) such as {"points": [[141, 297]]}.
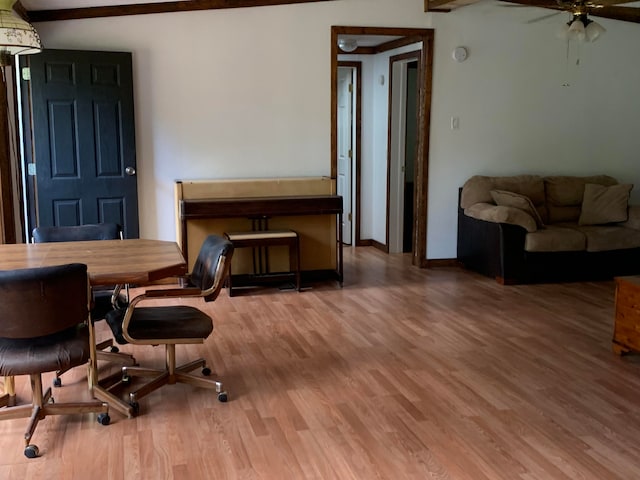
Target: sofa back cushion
{"points": [[564, 195], [478, 189], [602, 205]]}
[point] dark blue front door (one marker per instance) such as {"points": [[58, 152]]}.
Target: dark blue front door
{"points": [[84, 138]]}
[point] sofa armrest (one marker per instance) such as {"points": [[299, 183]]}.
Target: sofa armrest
{"points": [[502, 214], [491, 248], [634, 218]]}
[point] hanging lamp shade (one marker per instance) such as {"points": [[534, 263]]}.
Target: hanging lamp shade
{"points": [[576, 29], [594, 31], [16, 35]]}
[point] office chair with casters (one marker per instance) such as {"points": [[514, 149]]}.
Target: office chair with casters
{"points": [[172, 325], [103, 299], [43, 328]]}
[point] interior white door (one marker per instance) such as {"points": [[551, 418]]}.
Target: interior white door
{"points": [[345, 147]]}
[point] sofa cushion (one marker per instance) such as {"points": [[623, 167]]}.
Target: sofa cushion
{"points": [[602, 205], [602, 238], [555, 238], [512, 199], [478, 188], [501, 214], [564, 195]]}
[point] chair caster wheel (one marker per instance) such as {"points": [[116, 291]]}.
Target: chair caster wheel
{"points": [[135, 406], [114, 349], [206, 371], [223, 397], [57, 382], [104, 419], [126, 379], [31, 451]]}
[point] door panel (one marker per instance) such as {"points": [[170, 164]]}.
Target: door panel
{"points": [[83, 138], [345, 146]]}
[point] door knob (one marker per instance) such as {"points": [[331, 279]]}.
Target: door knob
{"points": [[130, 171]]}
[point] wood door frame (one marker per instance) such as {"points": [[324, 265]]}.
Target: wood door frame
{"points": [[357, 142], [409, 35]]}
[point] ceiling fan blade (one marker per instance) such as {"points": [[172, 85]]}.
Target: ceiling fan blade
{"points": [[544, 17], [608, 3], [552, 4], [626, 14]]}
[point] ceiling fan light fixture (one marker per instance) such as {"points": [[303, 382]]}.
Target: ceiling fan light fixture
{"points": [[593, 31], [347, 44], [16, 35], [576, 30]]}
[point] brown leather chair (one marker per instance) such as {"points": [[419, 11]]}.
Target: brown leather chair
{"points": [[43, 328], [175, 324], [104, 299]]}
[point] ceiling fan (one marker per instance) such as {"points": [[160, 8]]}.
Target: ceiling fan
{"points": [[581, 9]]}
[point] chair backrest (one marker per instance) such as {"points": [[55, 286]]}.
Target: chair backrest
{"points": [[99, 231], [212, 266], [41, 301]]}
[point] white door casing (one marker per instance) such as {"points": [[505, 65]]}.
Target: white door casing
{"points": [[397, 155]]}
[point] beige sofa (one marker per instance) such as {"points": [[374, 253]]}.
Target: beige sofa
{"points": [[530, 228]]}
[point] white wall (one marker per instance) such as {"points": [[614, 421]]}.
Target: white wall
{"points": [[515, 114], [246, 93]]}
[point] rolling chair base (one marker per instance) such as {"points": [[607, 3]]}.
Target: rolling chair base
{"points": [[114, 356], [43, 406], [170, 376]]}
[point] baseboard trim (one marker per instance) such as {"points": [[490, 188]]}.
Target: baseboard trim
{"points": [[442, 262], [280, 278], [380, 246]]}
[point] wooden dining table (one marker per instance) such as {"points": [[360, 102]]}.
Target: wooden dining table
{"points": [[109, 262]]}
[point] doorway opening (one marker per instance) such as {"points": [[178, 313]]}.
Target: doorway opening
{"points": [[389, 40], [403, 124]]}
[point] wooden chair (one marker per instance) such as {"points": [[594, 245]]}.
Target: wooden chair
{"points": [[173, 325], [103, 300], [43, 327]]}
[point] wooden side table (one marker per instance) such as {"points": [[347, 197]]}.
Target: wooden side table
{"points": [[626, 333]]}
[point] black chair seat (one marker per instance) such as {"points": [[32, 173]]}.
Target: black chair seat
{"points": [[102, 303], [148, 323], [44, 354]]}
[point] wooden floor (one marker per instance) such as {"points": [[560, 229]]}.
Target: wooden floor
{"points": [[402, 374]]}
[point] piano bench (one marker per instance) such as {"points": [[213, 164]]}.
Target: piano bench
{"points": [[259, 241]]}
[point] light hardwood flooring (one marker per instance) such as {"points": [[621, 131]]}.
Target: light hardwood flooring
{"points": [[402, 374]]}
